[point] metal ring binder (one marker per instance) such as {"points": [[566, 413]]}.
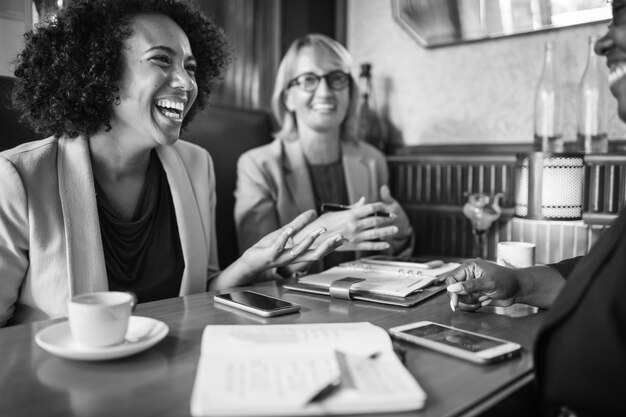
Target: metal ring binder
{"points": [[341, 288]]}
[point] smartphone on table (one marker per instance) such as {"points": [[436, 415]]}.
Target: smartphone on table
{"points": [[463, 344], [257, 303]]}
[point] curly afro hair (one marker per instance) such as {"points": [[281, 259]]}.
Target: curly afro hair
{"points": [[68, 69]]}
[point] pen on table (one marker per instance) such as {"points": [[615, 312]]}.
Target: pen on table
{"points": [[326, 391], [330, 388], [374, 355], [326, 207]]}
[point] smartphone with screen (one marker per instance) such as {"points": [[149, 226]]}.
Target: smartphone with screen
{"points": [[463, 344], [403, 261], [257, 303]]}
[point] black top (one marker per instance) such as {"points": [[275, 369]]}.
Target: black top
{"points": [[566, 266], [143, 255], [329, 186], [580, 355]]}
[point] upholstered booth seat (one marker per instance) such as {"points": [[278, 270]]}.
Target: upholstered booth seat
{"points": [[226, 132], [12, 132]]}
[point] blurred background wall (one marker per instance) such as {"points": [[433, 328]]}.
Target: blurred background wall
{"points": [[470, 93], [480, 92]]}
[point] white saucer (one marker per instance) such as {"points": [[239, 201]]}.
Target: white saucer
{"points": [[143, 333]]}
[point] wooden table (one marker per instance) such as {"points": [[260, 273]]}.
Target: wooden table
{"points": [[159, 381]]}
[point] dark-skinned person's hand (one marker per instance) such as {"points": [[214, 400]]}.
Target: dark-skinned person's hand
{"points": [[478, 283]]}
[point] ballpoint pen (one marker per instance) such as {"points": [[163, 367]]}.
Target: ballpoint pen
{"points": [[326, 207], [326, 391], [330, 388]]}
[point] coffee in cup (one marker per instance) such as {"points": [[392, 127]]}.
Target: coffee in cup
{"points": [[516, 254], [100, 319]]}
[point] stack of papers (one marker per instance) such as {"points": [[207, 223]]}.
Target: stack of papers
{"points": [[277, 370]]}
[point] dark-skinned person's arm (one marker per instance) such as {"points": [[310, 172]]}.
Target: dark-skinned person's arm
{"points": [[478, 283]]}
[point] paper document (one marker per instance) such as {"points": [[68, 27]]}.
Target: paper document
{"points": [[379, 279], [274, 370], [400, 268]]}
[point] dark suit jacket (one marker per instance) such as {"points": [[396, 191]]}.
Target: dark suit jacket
{"points": [[580, 355]]}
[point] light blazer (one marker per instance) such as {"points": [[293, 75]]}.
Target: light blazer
{"points": [[50, 243], [274, 185]]}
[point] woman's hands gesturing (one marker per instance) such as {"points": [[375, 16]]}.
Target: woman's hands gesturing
{"points": [[359, 225], [278, 248]]}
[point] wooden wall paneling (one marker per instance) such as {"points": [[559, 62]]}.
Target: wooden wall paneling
{"points": [[434, 188], [253, 29], [621, 187], [604, 189], [447, 183], [458, 197], [468, 181], [598, 200], [437, 184], [611, 191]]}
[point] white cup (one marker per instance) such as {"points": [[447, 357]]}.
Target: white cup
{"points": [[100, 319], [516, 254]]}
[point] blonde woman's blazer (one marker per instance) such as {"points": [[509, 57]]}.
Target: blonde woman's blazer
{"points": [[274, 186]]}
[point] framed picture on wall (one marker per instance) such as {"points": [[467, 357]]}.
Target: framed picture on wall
{"points": [[435, 23]]}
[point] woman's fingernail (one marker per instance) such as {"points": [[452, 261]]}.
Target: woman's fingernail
{"points": [[321, 231], [486, 302], [289, 230], [341, 239], [456, 287], [395, 229]]}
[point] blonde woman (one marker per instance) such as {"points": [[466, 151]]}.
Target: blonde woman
{"points": [[316, 158]]}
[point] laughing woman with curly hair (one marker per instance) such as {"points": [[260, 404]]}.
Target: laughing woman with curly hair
{"points": [[112, 200]]}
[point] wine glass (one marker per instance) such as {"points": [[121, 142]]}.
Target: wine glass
{"points": [[482, 210]]}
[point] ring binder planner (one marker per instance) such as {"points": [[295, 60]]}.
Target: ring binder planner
{"points": [[384, 284]]}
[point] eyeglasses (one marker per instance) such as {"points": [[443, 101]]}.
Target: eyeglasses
{"points": [[336, 80]]}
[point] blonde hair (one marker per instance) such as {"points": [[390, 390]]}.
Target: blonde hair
{"points": [[285, 118]]}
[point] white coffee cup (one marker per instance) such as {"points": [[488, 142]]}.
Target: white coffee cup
{"points": [[516, 254], [100, 319]]}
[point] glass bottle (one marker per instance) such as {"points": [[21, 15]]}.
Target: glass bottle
{"points": [[370, 128], [549, 106], [592, 134]]}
